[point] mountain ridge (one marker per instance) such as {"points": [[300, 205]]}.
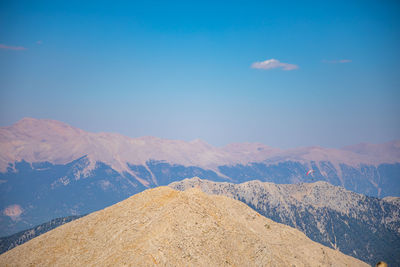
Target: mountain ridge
{"points": [[167, 227], [36, 140], [363, 227]]}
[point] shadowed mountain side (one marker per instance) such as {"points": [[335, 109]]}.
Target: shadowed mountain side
{"points": [[45, 191], [167, 227], [363, 227]]}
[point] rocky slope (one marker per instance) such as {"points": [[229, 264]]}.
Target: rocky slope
{"points": [[361, 226], [170, 228]]}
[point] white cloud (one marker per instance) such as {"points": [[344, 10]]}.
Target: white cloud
{"points": [[273, 64], [337, 61], [11, 47]]}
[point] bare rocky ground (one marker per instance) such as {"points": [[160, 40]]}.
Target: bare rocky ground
{"points": [[165, 227], [360, 226]]}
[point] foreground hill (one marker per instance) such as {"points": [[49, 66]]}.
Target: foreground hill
{"points": [[168, 227], [363, 227], [49, 169]]}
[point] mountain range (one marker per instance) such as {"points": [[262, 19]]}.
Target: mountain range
{"points": [[165, 227], [49, 169], [364, 227]]}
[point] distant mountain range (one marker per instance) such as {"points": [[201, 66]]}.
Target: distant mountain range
{"points": [[360, 226], [49, 169], [166, 227]]}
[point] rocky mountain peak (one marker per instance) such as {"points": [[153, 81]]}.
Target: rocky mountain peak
{"points": [[328, 214], [166, 227]]}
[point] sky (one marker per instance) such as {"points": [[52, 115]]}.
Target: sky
{"points": [[283, 73]]}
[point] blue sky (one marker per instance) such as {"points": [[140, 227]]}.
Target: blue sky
{"points": [[183, 69]]}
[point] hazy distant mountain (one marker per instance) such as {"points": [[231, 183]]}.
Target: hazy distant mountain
{"points": [[170, 228], [36, 140], [363, 227], [49, 169], [9, 242]]}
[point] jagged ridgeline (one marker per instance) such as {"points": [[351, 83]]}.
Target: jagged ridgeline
{"points": [[364, 227], [166, 227]]}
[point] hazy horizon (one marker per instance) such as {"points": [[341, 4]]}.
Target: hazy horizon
{"points": [[286, 74]]}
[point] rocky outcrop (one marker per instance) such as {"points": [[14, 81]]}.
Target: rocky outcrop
{"points": [[364, 227]]}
